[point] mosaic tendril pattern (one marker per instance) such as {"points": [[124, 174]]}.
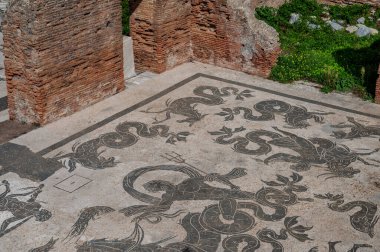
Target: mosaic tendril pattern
{"points": [[208, 166]]}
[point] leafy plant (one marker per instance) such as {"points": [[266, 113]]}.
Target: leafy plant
{"points": [[350, 13], [334, 59], [125, 16]]}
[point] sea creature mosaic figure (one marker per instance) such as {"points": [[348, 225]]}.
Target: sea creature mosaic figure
{"points": [[295, 116], [196, 188], [205, 230], [311, 151], [200, 239], [206, 95], [363, 221], [87, 214], [45, 248], [332, 245], [88, 154], [22, 211], [211, 210], [358, 130]]}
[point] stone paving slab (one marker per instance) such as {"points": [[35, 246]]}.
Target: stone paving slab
{"points": [[198, 159]]}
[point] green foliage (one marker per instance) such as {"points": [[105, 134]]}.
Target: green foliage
{"points": [[336, 59], [125, 16], [303, 7], [268, 14], [350, 13], [377, 14]]}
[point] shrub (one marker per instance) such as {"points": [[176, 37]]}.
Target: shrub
{"points": [[269, 14], [350, 13], [303, 7], [336, 59], [125, 16]]}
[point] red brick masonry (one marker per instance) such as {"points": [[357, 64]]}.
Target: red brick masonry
{"points": [[224, 33], [61, 56]]}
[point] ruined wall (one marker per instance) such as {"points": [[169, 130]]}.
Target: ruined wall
{"points": [[227, 34], [61, 56], [224, 33], [161, 34]]}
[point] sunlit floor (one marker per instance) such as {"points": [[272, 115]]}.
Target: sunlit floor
{"points": [[198, 159]]}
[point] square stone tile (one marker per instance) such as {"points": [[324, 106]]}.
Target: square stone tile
{"points": [[72, 183]]}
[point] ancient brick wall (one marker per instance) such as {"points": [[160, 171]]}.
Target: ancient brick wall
{"points": [[211, 42], [224, 33], [61, 56], [227, 34], [161, 34]]}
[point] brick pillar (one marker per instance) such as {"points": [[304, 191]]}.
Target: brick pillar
{"points": [[61, 56], [377, 92], [161, 33], [225, 33]]}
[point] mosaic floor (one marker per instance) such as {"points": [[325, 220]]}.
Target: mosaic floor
{"points": [[207, 164]]}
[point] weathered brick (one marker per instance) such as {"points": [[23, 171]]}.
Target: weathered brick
{"points": [[61, 56], [223, 33]]}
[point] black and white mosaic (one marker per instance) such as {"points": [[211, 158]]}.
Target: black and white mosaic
{"points": [[206, 165]]}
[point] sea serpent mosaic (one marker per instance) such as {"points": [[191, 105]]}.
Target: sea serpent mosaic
{"points": [[295, 116], [221, 166], [88, 155], [310, 151]]}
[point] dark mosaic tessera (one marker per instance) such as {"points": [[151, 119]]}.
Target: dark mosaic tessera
{"points": [[206, 165]]}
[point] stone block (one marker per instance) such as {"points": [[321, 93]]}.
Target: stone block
{"points": [[352, 28], [128, 58], [363, 31]]}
